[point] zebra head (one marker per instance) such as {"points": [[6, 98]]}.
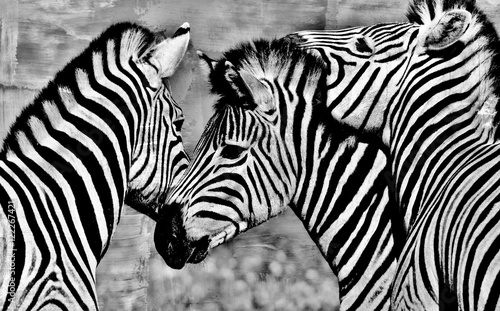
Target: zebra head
{"points": [[157, 158], [390, 81], [121, 123], [377, 73], [247, 163]]}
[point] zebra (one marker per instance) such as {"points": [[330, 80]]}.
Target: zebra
{"points": [[271, 144], [104, 132], [429, 90], [426, 91]]}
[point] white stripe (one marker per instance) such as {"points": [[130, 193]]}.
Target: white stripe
{"points": [[44, 139]]}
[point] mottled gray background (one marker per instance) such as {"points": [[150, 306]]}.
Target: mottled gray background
{"points": [[272, 267]]}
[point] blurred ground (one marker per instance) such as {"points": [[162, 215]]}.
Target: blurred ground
{"points": [[271, 267]]}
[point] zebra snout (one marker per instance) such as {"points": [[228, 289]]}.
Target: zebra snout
{"points": [[170, 237], [172, 243]]}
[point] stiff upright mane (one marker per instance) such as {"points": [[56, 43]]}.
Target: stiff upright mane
{"points": [[265, 59], [130, 40]]}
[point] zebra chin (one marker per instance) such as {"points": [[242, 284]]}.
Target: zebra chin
{"points": [[171, 241]]}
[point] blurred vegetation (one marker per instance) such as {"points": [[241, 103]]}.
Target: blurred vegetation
{"points": [[275, 266]]}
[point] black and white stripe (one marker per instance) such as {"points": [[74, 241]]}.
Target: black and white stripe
{"points": [[429, 89], [101, 133], [271, 144]]}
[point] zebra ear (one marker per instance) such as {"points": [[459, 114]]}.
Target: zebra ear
{"points": [[207, 64], [448, 30], [247, 85], [167, 55]]}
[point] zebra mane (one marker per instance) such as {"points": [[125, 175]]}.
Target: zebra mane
{"points": [[131, 40], [265, 59], [422, 11]]}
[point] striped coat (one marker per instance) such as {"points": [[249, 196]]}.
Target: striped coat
{"points": [[429, 91], [103, 132]]}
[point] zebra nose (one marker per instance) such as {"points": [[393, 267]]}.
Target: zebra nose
{"points": [[170, 237]]}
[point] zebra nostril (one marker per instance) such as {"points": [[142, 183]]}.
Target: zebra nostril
{"points": [[199, 250], [202, 244]]}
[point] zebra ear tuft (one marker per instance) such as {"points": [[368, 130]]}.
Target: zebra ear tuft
{"points": [[448, 30], [247, 85], [207, 64], [167, 55], [234, 79]]}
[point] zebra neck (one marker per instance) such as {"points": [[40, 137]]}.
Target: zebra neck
{"points": [[417, 157], [72, 160], [54, 182], [349, 218], [41, 223]]}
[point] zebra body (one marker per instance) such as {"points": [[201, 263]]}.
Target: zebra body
{"points": [[271, 144], [429, 90], [101, 134]]}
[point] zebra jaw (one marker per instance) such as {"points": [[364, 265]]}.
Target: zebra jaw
{"points": [[227, 234]]}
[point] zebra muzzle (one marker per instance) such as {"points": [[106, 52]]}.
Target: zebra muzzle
{"points": [[171, 241]]}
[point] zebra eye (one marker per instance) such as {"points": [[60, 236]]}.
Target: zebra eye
{"points": [[232, 152], [362, 46]]}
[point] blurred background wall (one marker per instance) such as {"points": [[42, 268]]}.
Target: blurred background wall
{"points": [[272, 267]]}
